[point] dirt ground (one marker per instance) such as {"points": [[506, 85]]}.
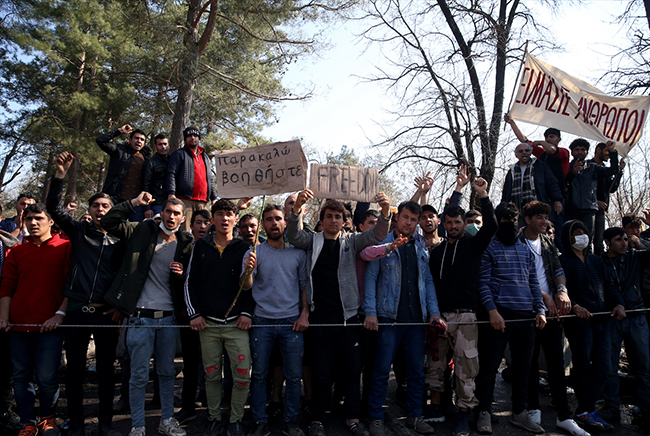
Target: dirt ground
{"points": [[334, 423]]}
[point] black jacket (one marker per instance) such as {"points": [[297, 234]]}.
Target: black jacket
{"points": [[582, 186], [213, 281], [140, 240], [121, 155], [547, 188], [456, 279], [180, 174], [154, 176], [625, 272], [95, 255], [587, 282]]}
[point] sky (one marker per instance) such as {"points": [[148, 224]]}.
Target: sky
{"points": [[347, 110]]}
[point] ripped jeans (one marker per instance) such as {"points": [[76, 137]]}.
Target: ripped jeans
{"points": [[235, 341]]}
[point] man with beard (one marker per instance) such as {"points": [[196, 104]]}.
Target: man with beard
{"points": [[456, 284], [509, 290], [403, 299], [279, 285], [148, 288]]}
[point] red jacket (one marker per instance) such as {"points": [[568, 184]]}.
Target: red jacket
{"points": [[34, 277]]}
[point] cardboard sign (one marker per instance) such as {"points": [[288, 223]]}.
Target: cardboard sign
{"points": [[547, 96], [343, 182], [264, 170]]}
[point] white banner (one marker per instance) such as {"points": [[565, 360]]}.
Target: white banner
{"points": [[549, 97]]}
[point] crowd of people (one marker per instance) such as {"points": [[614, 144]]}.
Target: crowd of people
{"points": [[403, 288]]}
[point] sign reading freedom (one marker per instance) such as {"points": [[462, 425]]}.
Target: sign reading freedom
{"points": [[547, 96], [343, 182], [264, 170]]}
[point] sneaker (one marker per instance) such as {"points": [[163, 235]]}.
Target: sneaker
{"points": [[377, 428], [536, 416], [570, 426], [235, 429], [48, 427], [215, 429], [358, 429], [435, 414], [10, 419], [316, 429], [170, 427], [524, 421], [462, 425], [184, 415], [484, 422], [588, 422], [292, 428], [28, 430], [606, 426], [261, 429], [418, 425], [138, 431]]}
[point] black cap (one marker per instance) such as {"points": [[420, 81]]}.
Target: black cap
{"points": [[429, 208], [191, 130]]}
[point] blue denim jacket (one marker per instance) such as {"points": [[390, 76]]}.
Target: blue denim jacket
{"points": [[382, 284]]}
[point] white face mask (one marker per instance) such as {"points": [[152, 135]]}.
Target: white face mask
{"points": [[166, 230], [582, 241]]}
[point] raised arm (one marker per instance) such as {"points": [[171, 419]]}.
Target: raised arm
{"points": [[53, 203], [105, 141], [515, 129]]}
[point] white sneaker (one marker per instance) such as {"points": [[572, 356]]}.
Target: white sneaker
{"points": [[171, 427], [535, 415], [570, 426], [138, 431]]}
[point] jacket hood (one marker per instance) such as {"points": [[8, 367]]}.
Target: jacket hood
{"points": [[567, 228], [8, 239]]}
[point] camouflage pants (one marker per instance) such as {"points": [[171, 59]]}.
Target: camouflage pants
{"points": [[463, 339]]}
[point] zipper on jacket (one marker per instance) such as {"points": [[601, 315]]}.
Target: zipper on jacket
{"points": [[101, 252]]}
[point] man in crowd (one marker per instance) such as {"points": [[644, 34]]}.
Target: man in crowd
{"points": [[632, 226], [33, 277], [625, 270], [94, 263], [474, 216], [531, 179], [279, 286], [557, 303], [582, 181], [200, 224], [154, 176], [148, 288], [189, 176], [409, 297], [455, 268], [248, 226], [604, 188], [124, 176], [591, 291], [333, 296], [16, 226], [429, 222], [509, 290], [212, 295]]}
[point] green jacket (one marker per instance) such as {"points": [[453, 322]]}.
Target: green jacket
{"points": [[141, 239]]}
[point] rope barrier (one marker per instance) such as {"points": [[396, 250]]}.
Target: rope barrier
{"points": [[392, 324]]}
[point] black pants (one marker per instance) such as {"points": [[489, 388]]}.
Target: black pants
{"points": [[336, 352], [76, 346], [191, 344], [550, 340], [491, 345]]}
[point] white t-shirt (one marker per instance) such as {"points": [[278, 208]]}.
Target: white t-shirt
{"points": [[535, 245]]}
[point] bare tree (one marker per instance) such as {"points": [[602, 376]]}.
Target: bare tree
{"points": [[449, 75]]}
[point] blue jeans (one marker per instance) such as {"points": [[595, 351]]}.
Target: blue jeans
{"points": [[388, 340], [634, 331], [142, 343], [36, 358], [591, 356], [292, 346]]}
